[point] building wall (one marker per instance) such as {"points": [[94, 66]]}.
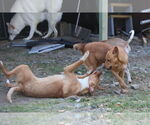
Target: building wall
{"points": [[5, 5], [68, 5]]}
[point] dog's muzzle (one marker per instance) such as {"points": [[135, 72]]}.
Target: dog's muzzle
{"points": [[108, 68]]}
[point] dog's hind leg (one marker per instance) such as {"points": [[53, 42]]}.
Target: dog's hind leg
{"points": [[10, 85], [11, 91], [6, 72]]}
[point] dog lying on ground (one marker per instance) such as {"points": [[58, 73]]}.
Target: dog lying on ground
{"points": [[21, 20], [36, 6], [56, 86], [100, 52]]}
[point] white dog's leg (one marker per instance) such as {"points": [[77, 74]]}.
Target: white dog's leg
{"points": [[55, 31], [128, 75], [38, 32], [48, 34], [32, 30]]}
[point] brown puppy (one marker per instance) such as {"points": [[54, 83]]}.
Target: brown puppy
{"points": [[125, 45], [116, 61], [56, 86], [99, 50]]}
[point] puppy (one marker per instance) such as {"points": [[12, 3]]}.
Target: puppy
{"points": [[56, 86], [99, 50], [116, 61], [125, 45], [21, 20]]}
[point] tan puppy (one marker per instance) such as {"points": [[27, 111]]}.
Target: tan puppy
{"points": [[99, 50], [55, 86], [125, 45], [116, 61]]}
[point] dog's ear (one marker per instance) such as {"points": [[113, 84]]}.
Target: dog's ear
{"points": [[121, 54], [10, 25]]}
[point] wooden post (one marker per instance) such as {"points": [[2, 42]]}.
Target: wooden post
{"points": [[103, 19]]}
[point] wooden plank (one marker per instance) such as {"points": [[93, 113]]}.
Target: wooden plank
{"points": [[103, 19]]}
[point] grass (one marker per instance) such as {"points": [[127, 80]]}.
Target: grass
{"points": [[126, 110], [43, 105], [133, 107], [137, 102]]}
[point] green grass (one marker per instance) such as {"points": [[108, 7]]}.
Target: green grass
{"points": [[43, 105], [136, 102], [50, 68]]}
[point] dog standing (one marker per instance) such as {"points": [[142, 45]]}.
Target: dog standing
{"points": [[126, 46], [56, 86], [21, 20], [101, 51]]}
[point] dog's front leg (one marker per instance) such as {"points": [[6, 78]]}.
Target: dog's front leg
{"points": [[128, 75], [49, 33], [32, 30], [38, 32], [73, 66], [121, 81], [121, 74], [55, 31]]}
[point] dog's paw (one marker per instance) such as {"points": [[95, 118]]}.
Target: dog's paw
{"points": [[46, 36], [129, 82], [124, 91], [26, 39], [40, 34], [85, 56]]}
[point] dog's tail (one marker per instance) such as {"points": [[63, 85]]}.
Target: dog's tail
{"points": [[132, 32], [11, 91], [79, 46]]}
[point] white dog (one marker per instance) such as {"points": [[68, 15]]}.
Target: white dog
{"points": [[35, 6], [27, 16], [21, 20]]}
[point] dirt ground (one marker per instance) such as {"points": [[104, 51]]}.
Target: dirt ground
{"points": [[54, 62]]}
